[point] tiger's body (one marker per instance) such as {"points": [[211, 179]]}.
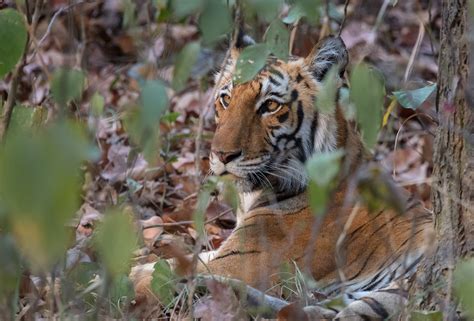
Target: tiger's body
{"points": [[266, 129]]}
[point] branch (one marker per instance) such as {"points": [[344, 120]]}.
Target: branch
{"points": [[250, 297]]}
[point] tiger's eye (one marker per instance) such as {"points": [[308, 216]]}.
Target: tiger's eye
{"points": [[272, 105], [225, 100]]}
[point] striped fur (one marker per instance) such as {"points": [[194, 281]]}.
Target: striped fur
{"points": [[266, 130]]}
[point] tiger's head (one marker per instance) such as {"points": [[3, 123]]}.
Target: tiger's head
{"points": [[268, 127]]}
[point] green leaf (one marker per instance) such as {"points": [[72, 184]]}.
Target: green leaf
{"points": [[464, 285], [426, 316], [115, 240], [39, 188], [412, 99], [325, 101], [164, 282], [215, 21], [170, 117], [251, 60], [277, 39], [265, 9], [295, 13], [184, 63], [367, 93], [322, 169], [143, 123], [199, 214], [304, 8], [97, 104], [67, 85], [13, 38], [183, 8], [121, 293]]}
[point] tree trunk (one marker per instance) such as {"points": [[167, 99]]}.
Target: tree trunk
{"points": [[453, 178]]}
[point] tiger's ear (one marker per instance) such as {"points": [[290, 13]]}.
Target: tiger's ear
{"points": [[328, 53], [243, 40]]}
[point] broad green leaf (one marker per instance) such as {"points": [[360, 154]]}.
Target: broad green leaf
{"points": [[115, 240], [154, 102], [12, 39], [325, 101], [184, 63], [367, 93], [304, 8], [199, 214], [464, 285], [277, 39], [251, 60], [22, 118], [264, 9], [121, 293], [183, 8], [413, 99], [295, 13], [215, 21], [67, 85], [142, 123], [322, 169], [426, 316], [163, 282], [40, 181], [97, 104]]}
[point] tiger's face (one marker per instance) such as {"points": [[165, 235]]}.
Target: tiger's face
{"points": [[268, 127]]}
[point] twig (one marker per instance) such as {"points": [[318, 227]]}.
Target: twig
{"points": [[380, 15], [395, 145], [293, 36], [188, 222], [251, 297], [414, 53], [346, 4]]}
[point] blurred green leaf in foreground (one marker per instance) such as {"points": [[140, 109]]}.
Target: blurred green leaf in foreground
{"points": [[39, 188]]}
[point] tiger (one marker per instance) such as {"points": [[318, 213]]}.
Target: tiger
{"points": [[266, 129]]}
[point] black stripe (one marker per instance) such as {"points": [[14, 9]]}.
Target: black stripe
{"points": [[274, 81], [275, 93], [276, 72], [314, 124], [397, 291], [235, 252], [299, 78], [294, 95], [283, 117], [376, 306], [362, 268], [300, 114]]}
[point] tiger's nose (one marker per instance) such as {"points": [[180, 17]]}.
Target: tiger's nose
{"points": [[226, 157]]}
